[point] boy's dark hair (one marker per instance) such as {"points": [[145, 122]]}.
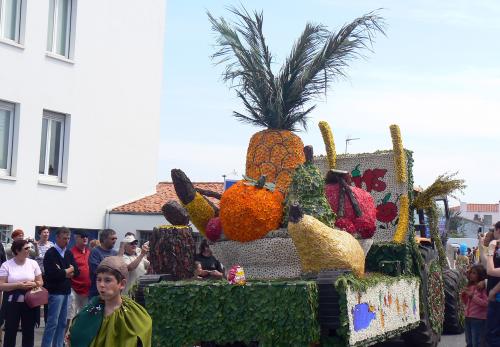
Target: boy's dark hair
{"points": [[480, 270], [107, 270], [42, 228], [497, 225]]}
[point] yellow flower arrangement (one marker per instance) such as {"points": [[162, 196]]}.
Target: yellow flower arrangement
{"points": [[326, 133], [404, 219], [200, 212], [399, 153]]}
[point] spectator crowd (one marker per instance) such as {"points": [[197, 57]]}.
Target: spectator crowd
{"points": [[481, 294], [84, 291], [88, 289]]}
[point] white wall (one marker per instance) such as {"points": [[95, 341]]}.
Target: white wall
{"points": [[123, 223], [470, 215], [112, 92]]}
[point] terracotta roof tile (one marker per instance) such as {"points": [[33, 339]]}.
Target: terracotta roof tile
{"points": [[164, 192], [482, 207]]}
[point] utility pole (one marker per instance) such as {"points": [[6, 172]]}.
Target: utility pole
{"points": [[349, 139]]}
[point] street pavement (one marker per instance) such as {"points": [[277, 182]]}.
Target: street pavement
{"points": [[38, 336], [446, 341]]}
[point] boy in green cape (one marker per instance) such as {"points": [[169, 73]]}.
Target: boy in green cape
{"points": [[110, 319]]}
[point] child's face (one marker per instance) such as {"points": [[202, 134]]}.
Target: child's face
{"points": [[108, 286], [473, 276]]}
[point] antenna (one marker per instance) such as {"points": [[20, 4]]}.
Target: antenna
{"points": [[349, 139]]}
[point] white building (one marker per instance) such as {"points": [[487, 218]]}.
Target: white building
{"points": [[80, 84], [488, 214], [142, 215]]}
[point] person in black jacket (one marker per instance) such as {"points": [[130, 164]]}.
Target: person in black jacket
{"points": [[60, 266]]}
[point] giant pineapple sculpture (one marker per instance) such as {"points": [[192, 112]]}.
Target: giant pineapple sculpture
{"points": [[277, 101]]}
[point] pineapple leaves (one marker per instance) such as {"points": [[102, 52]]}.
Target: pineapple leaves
{"points": [[317, 58]]}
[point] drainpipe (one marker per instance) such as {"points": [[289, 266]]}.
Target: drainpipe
{"points": [[106, 219]]}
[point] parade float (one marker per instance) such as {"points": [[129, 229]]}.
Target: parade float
{"points": [[326, 243]]}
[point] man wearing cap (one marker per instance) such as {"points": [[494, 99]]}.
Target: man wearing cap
{"points": [[136, 261], [80, 284], [111, 319]]}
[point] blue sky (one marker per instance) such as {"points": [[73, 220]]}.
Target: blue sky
{"points": [[436, 75]]}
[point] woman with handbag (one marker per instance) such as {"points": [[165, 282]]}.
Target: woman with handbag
{"points": [[18, 276]]}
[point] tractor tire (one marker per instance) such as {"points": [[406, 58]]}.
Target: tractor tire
{"points": [[453, 311], [424, 335]]}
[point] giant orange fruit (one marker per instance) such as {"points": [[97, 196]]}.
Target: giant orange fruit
{"points": [[248, 212]]}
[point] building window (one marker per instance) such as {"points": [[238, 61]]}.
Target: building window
{"points": [[10, 20], [60, 27], [52, 146], [5, 232], [488, 219], [6, 137]]}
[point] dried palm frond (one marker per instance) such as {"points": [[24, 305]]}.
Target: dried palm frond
{"points": [[317, 58], [444, 185]]}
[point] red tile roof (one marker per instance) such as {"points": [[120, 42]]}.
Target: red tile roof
{"points": [[482, 207], [164, 192]]}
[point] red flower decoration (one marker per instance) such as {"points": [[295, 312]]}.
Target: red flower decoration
{"points": [[386, 212], [364, 227], [367, 221], [345, 224], [213, 230]]}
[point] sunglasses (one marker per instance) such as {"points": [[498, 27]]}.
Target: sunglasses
{"points": [[27, 248], [134, 243]]}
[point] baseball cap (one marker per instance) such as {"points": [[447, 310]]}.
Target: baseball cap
{"points": [[115, 263], [129, 238]]}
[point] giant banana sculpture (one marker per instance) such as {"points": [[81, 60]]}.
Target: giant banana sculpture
{"points": [[321, 247]]}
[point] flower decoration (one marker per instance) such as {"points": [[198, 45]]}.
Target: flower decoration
{"points": [[404, 219], [346, 225], [377, 172], [248, 212], [435, 297], [213, 231], [364, 224], [387, 210], [200, 212], [326, 133], [236, 275], [275, 154], [377, 306], [399, 153]]}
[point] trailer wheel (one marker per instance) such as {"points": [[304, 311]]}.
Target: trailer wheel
{"points": [[453, 312], [424, 335]]}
